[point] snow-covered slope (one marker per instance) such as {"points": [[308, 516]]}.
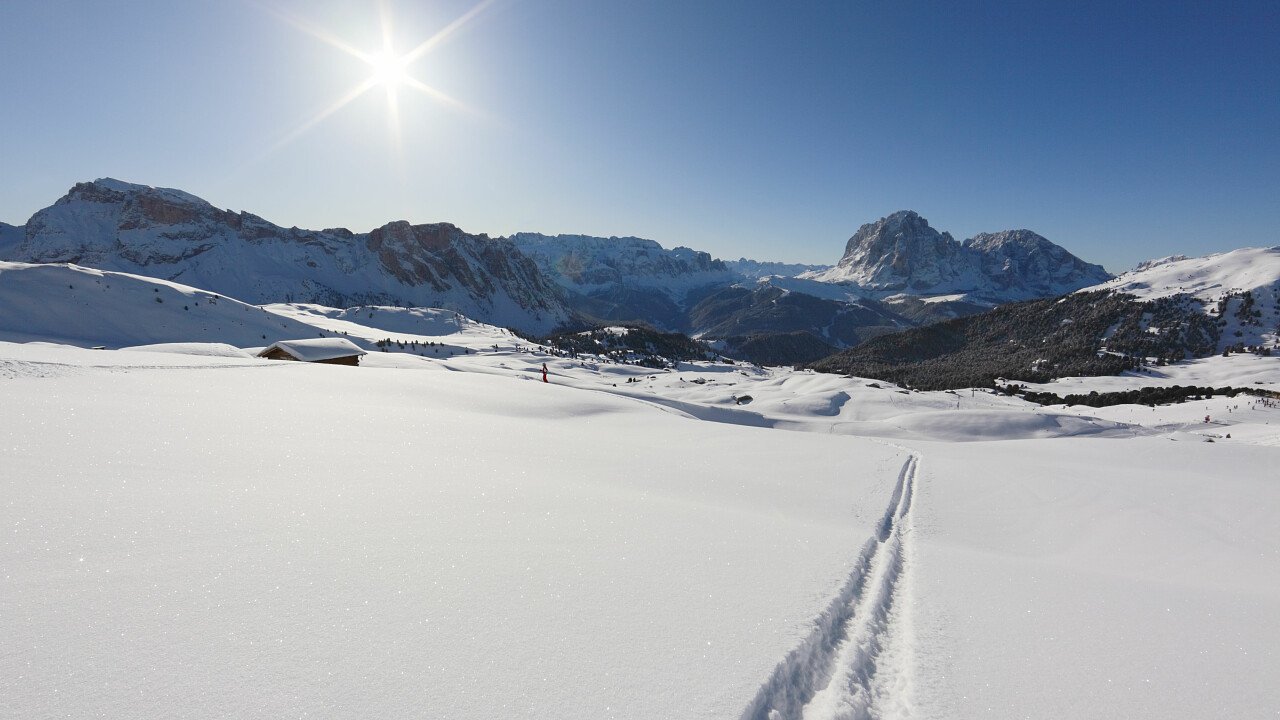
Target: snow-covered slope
{"points": [[87, 307], [1207, 278], [402, 321], [444, 332], [1078, 578], [840, 292], [390, 541], [386, 541], [285, 539], [55, 303], [1241, 288], [902, 253], [167, 233]]}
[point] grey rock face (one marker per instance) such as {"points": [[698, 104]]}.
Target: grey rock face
{"points": [[902, 252]]}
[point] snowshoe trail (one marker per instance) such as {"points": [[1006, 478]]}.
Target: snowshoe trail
{"points": [[843, 670]]}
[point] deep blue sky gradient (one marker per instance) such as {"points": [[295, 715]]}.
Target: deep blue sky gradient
{"points": [[1122, 131]]}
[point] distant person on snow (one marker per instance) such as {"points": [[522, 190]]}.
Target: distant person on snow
{"points": [[544, 373]]}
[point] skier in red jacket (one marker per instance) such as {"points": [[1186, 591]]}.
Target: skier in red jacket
{"points": [[544, 373]]}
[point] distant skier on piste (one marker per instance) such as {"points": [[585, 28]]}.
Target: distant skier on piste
{"points": [[544, 373]]}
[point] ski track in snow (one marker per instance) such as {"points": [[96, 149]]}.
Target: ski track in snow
{"points": [[851, 665]]}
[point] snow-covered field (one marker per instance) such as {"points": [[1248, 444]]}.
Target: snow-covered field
{"points": [[189, 531]]}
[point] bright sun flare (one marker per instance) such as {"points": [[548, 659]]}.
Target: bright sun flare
{"points": [[390, 69]]}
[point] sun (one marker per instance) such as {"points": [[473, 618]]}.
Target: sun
{"points": [[389, 69]]}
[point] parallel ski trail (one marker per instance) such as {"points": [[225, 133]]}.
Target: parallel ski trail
{"points": [[834, 674]]}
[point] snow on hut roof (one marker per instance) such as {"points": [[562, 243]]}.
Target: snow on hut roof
{"points": [[316, 349]]}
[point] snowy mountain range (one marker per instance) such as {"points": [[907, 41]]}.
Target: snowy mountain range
{"points": [[1168, 310], [895, 273], [921, 275]]}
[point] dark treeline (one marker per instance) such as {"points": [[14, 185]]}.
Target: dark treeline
{"points": [[644, 345], [1144, 396], [1083, 334]]}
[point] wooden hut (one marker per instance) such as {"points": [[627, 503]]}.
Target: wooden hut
{"points": [[332, 351]]}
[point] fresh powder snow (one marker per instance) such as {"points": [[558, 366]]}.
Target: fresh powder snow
{"points": [[193, 531]]}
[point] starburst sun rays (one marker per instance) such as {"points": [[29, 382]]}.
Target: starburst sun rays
{"points": [[388, 69]]}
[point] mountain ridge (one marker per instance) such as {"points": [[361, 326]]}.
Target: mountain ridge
{"points": [[113, 225]]}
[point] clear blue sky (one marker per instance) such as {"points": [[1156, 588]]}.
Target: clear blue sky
{"points": [[767, 129]]}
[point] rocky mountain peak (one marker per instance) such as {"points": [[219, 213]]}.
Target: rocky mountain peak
{"points": [[402, 234], [902, 232], [899, 252], [902, 253], [110, 190]]}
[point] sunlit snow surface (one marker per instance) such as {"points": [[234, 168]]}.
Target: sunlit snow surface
{"points": [[188, 531]]}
